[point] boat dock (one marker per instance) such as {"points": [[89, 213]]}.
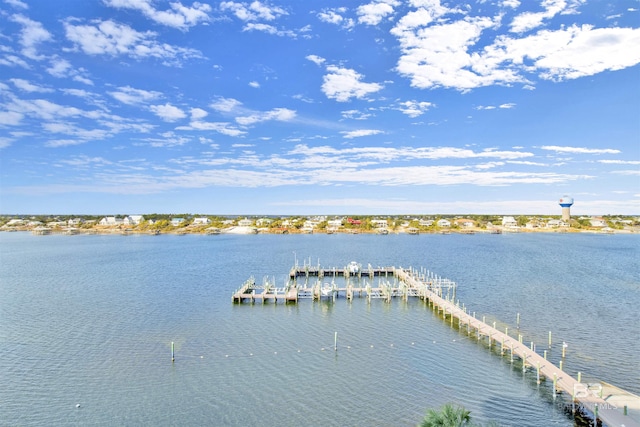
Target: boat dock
{"points": [[440, 295]]}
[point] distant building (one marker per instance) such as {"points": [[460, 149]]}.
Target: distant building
{"points": [[566, 202], [379, 223], [176, 221], [443, 223], [245, 223], [509, 222], [111, 221]]}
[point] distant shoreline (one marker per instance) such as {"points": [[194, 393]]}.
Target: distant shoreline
{"points": [[100, 230]]}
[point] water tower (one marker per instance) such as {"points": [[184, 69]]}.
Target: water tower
{"points": [[566, 202]]}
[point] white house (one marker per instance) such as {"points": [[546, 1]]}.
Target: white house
{"points": [[176, 221], [201, 221], [263, 222], [75, 222], [245, 223], [444, 223], [334, 223], [425, 222], [509, 222], [598, 222], [379, 223], [133, 219], [111, 221], [465, 223]]}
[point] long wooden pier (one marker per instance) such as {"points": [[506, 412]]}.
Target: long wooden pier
{"points": [[439, 293]]}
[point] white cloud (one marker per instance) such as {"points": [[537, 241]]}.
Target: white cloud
{"points": [[180, 16], [529, 20], [513, 4], [360, 133], [29, 87], [253, 11], [5, 142], [130, 96], [17, 4], [45, 109], [414, 109], [168, 112], [579, 150], [355, 115], [254, 84], [114, 39], [13, 61], [438, 55], [315, 59], [31, 35], [505, 106], [620, 162], [198, 113], [220, 127], [330, 17], [449, 53], [59, 68], [269, 29], [10, 118], [226, 105], [278, 114], [576, 51], [342, 84], [373, 13]]}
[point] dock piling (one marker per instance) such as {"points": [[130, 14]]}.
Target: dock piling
{"points": [[173, 358]]}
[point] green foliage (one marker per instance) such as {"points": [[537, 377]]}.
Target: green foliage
{"points": [[449, 415]]}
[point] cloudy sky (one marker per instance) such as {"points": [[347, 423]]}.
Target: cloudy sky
{"points": [[304, 107]]}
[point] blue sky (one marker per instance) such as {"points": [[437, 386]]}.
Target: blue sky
{"points": [[319, 107]]}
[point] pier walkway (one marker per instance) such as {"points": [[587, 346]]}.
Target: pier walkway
{"points": [[439, 293]]}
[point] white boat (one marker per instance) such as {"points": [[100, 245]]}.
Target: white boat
{"points": [[354, 267], [326, 290]]}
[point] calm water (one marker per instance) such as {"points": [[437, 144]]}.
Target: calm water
{"points": [[89, 320]]}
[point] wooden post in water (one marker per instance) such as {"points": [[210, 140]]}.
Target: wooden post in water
{"points": [[335, 341], [518, 320], [545, 355], [520, 338], [511, 353], [538, 373], [579, 377], [561, 365], [549, 339], [555, 382], [506, 331], [173, 359], [564, 349], [524, 362]]}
